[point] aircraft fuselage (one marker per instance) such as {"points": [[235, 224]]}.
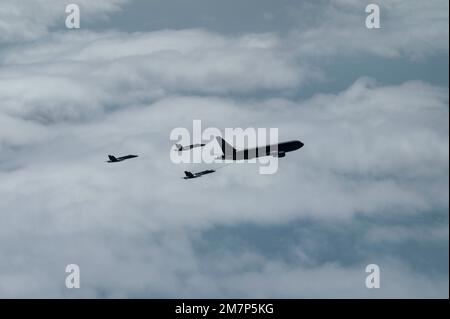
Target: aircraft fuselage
{"points": [[113, 159], [277, 150], [190, 175]]}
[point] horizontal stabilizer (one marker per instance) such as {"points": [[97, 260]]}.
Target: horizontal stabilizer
{"points": [[189, 174]]}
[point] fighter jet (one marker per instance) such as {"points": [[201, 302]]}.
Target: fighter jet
{"points": [[113, 159], [189, 175], [276, 150], [181, 148]]}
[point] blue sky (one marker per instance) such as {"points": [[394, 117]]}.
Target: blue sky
{"points": [[370, 185]]}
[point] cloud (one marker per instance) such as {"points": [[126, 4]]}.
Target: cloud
{"points": [[89, 206], [347, 137], [372, 151], [277, 280], [87, 68], [402, 233], [72, 77], [23, 20], [411, 29]]}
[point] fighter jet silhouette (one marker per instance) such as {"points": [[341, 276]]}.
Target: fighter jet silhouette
{"points": [[181, 148], [189, 175], [113, 159]]}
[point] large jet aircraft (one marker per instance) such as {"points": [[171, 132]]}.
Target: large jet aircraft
{"points": [[113, 159], [189, 175], [276, 150]]}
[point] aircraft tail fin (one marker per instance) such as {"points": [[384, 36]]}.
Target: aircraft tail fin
{"points": [[188, 174], [227, 149], [112, 158]]}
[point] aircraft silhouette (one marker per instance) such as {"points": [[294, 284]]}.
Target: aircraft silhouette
{"points": [[276, 150], [189, 175], [181, 148], [113, 159]]}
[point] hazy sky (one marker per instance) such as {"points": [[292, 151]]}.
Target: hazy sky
{"points": [[369, 186]]}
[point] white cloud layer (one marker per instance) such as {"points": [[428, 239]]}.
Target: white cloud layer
{"points": [[72, 195], [24, 20], [70, 98], [413, 29]]}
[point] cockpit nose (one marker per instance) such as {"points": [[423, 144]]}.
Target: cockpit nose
{"points": [[295, 145], [298, 144]]}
